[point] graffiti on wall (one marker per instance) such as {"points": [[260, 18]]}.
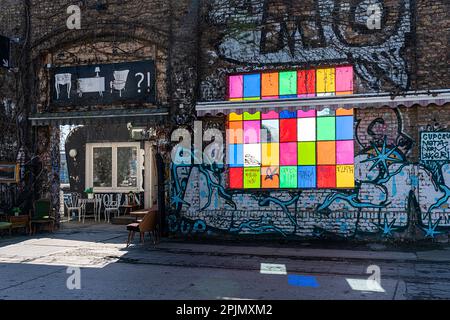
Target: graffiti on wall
{"points": [[274, 32], [389, 189]]}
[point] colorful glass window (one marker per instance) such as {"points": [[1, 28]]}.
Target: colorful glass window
{"points": [[291, 150], [320, 82]]}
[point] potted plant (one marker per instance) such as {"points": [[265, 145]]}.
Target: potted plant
{"points": [[90, 193], [17, 211]]}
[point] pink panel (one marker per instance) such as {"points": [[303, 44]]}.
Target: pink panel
{"points": [[345, 152], [252, 131], [288, 154], [344, 79], [236, 86], [269, 115], [306, 114]]}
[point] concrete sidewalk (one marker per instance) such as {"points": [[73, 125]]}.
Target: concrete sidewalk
{"points": [[109, 234], [305, 253]]}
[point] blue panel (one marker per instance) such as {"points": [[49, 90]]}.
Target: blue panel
{"points": [[252, 85], [288, 114], [307, 177], [344, 128], [302, 281], [236, 155], [289, 97]]}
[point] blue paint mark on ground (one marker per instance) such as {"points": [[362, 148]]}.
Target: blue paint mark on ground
{"points": [[302, 281]]}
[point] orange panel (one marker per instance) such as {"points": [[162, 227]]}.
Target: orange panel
{"points": [[326, 152], [270, 84], [344, 112]]}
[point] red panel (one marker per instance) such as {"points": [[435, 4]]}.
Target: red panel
{"points": [[306, 81], [326, 177], [288, 130], [236, 178]]}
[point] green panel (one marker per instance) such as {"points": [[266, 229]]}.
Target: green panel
{"points": [[252, 178], [306, 153], [249, 116], [326, 128], [288, 177], [288, 83], [252, 99]]}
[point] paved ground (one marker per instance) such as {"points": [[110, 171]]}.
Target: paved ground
{"points": [[36, 268]]}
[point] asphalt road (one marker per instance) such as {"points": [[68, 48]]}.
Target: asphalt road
{"points": [[37, 268]]}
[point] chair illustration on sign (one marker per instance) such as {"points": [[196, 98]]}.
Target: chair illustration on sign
{"points": [[63, 79], [120, 81]]}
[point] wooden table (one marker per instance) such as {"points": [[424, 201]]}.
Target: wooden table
{"points": [[128, 208], [139, 214]]}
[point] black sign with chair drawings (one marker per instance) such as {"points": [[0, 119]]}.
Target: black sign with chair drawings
{"points": [[130, 82]]}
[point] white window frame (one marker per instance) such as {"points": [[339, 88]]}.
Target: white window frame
{"points": [[113, 145]]}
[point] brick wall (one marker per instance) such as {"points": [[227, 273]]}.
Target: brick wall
{"points": [[407, 198]]}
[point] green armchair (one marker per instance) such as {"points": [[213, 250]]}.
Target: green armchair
{"points": [[42, 216]]}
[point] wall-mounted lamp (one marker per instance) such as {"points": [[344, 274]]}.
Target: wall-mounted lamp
{"points": [[73, 153]]}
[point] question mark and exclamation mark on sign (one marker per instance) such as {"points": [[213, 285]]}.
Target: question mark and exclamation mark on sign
{"points": [[142, 76]]}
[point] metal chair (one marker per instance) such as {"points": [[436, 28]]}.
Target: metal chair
{"points": [[113, 206], [73, 203]]}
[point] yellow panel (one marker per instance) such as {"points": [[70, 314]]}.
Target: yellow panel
{"points": [[270, 154], [235, 117], [325, 78], [345, 176], [235, 99]]}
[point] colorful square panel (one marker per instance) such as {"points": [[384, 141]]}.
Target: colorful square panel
{"points": [[252, 85], [307, 177], [306, 83], [270, 177], [252, 130], [252, 116], [288, 177], [288, 83], [345, 176], [326, 177], [269, 86], [325, 80], [345, 152], [306, 129], [235, 132], [344, 112], [236, 176], [288, 154], [326, 152], [288, 114], [252, 155], [270, 115], [252, 178], [326, 128], [344, 128], [270, 131], [288, 130], [236, 155], [307, 153], [236, 86], [270, 154], [344, 79]]}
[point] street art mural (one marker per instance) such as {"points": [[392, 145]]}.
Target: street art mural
{"points": [[390, 193], [269, 33]]}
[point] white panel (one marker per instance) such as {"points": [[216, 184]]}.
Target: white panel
{"points": [[252, 155], [306, 129]]}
